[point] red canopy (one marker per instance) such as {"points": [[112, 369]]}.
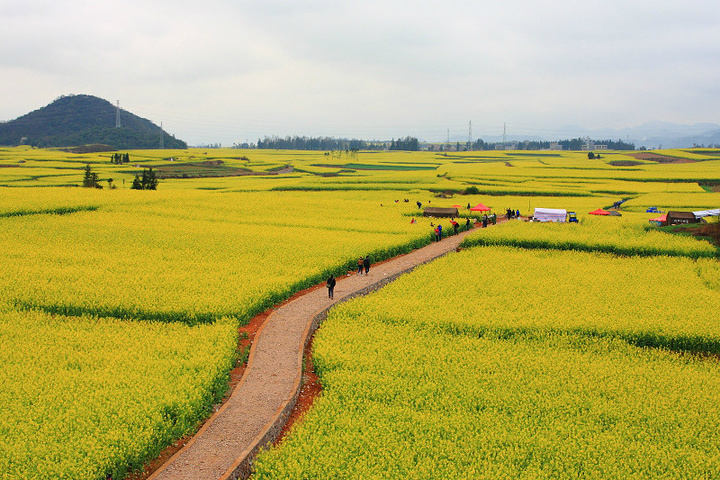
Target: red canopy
{"points": [[480, 208], [599, 211], [662, 218], [457, 206]]}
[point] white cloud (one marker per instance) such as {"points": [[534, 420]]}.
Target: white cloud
{"points": [[221, 70]]}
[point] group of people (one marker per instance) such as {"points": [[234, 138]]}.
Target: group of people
{"points": [[438, 229], [510, 213], [489, 218], [363, 266]]}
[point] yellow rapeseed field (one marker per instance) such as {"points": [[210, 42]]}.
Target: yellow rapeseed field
{"points": [[507, 363], [119, 311]]}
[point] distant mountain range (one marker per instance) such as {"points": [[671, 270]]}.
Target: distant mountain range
{"points": [[77, 120], [652, 135]]}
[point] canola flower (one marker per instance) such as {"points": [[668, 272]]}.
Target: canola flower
{"points": [[627, 235], [118, 324], [145, 275], [477, 366], [192, 258], [85, 396]]}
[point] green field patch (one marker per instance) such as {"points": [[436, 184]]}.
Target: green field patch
{"points": [[518, 154], [208, 168], [50, 211], [625, 163]]}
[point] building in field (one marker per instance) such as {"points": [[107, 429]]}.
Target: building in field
{"points": [[680, 218]]}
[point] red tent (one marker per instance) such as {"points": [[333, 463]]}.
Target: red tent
{"points": [[599, 211], [480, 208], [661, 219]]}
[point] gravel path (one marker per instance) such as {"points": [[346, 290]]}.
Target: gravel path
{"points": [[253, 416]]}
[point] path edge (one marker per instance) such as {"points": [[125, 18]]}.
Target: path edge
{"points": [[242, 468]]}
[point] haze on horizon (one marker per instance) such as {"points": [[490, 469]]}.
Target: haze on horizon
{"points": [[223, 71]]}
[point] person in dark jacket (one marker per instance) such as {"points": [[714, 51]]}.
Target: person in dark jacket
{"points": [[331, 285], [366, 264]]}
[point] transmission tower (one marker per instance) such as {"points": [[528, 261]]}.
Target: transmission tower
{"points": [[117, 115], [504, 136], [469, 145], [162, 137]]}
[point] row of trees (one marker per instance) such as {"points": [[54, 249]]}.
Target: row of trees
{"points": [[572, 144], [331, 144], [120, 158], [314, 143], [407, 143], [147, 180], [412, 144]]}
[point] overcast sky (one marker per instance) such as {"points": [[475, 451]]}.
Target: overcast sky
{"points": [[235, 70]]}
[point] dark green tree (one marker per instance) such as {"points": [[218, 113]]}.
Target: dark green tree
{"points": [[90, 179], [146, 181], [137, 183]]}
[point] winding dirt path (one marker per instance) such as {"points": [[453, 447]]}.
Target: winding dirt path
{"points": [[253, 416]]}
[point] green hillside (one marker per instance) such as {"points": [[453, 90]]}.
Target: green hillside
{"points": [[75, 120]]}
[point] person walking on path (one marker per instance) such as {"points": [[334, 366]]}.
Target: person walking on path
{"points": [[439, 232], [485, 221], [331, 286], [360, 265], [494, 218], [467, 224], [366, 264]]}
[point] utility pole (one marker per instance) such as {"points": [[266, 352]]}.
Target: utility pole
{"points": [[162, 137], [117, 115], [504, 131]]}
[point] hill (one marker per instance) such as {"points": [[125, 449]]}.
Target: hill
{"points": [[84, 119]]}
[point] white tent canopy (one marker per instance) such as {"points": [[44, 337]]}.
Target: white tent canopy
{"points": [[550, 215], [707, 213]]}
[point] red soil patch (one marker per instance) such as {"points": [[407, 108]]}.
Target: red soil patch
{"points": [[710, 230], [310, 390]]}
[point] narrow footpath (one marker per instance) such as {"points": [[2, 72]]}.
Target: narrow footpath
{"points": [[253, 416]]}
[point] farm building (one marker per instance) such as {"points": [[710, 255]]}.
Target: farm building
{"points": [[440, 212], [679, 218]]}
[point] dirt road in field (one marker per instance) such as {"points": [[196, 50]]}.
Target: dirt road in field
{"points": [[253, 416]]}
